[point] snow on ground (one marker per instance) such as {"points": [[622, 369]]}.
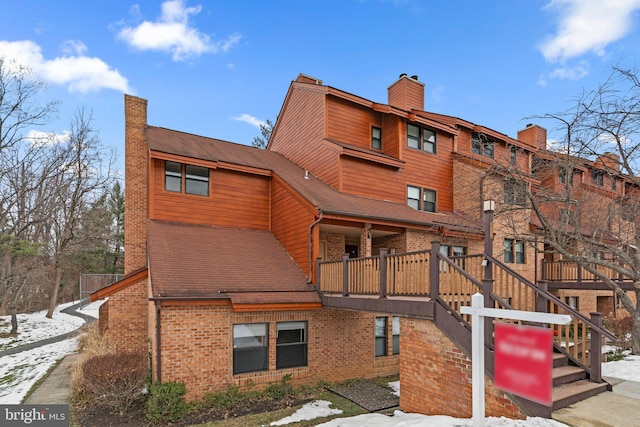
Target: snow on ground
{"points": [[36, 326], [20, 371]]}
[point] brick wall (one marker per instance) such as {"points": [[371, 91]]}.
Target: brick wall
{"points": [[435, 376], [197, 347], [135, 191], [127, 318]]}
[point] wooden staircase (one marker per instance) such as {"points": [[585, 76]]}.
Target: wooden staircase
{"points": [[571, 383]]}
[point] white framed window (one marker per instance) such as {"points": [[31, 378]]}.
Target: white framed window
{"points": [[250, 347], [395, 331], [376, 138], [173, 176], [514, 251], [421, 138], [421, 198], [291, 344]]}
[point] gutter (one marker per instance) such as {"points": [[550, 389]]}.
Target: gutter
{"points": [[313, 224]]}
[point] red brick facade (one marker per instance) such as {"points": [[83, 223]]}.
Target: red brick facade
{"points": [[435, 376]]}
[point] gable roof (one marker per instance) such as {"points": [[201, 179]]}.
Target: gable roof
{"points": [[246, 266], [128, 280], [323, 197]]}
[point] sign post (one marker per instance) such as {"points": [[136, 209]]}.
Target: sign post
{"points": [[478, 312]]}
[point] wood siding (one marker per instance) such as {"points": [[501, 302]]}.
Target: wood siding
{"points": [[300, 132], [293, 218], [350, 123], [235, 200], [371, 180], [432, 171]]}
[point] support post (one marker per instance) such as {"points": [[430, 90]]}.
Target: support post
{"points": [[544, 270], [489, 207], [345, 275], [595, 358], [434, 271], [477, 361], [383, 272], [541, 302], [318, 276]]}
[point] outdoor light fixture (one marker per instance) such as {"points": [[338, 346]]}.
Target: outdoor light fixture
{"points": [[489, 205]]}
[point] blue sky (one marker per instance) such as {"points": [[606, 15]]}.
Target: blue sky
{"points": [[219, 68]]}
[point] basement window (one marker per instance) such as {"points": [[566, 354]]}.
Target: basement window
{"points": [[291, 344], [381, 336], [250, 347], [395, 328]]}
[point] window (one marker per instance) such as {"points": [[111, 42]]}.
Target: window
{"points": [[395, 330], [572, 302], [481, 144], [250, 347], [614, 184], [513, 151], [376, 138], [291, 344], [426, 203], [381, 336], [453, 251], [196, 178], [173, 176], [565, 176], [514, 192], [421, 138], [513, 251], [429, 200], [597, 178]]}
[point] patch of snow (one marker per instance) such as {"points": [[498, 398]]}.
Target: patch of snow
{"points": [[625, 369], [18, 372], [92, 309], [395, 386], [401, 419], [309, 411]]}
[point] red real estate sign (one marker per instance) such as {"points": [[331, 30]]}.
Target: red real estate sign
{"points": [[523, 361]]}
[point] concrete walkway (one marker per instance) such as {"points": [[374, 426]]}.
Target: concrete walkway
{"points": [[617, 408], [56, 386]]}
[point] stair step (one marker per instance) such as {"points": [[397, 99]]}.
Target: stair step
{"points": [[559, 359], [567, 374], [567, 394]]}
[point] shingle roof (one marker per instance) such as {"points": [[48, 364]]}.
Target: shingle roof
{"points": [[321, 195], [215, 262]]}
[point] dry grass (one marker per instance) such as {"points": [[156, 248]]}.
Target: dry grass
{"points": [[92, 343]]}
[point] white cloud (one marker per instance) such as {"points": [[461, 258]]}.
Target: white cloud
{"points": [[571, 73], [250, 119], [78, 72], [39, 138], [172, 33], [587, 26]]}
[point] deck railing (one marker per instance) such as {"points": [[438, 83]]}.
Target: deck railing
{"points": [[571, 271]]}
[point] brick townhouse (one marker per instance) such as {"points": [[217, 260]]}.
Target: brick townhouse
{"points": [[343, 250]]}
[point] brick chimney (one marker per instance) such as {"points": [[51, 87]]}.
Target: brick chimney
{"points": [[534, 135], [135, 189], [407, 93], [610, 161]]}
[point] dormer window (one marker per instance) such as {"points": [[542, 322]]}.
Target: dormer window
{"points": [[376, 138], [196, 178], [482, 145], [421, 138], [421, 198], [597, 178]]}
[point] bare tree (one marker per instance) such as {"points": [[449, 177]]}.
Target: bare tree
{"points": [[265, 133], [86, 173], [583, 193]]}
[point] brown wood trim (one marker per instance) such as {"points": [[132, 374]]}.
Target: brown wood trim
{"points": [[170, 302], [372, 157], [587, 286], [182, 159], [246, 169], [243, 308], [120, 285], [423, 309]]}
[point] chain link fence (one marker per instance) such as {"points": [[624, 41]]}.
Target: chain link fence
{"points": [[89, 283]]}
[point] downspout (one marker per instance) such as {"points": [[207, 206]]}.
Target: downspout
{"points": [[158, 346], [313, 224]]}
